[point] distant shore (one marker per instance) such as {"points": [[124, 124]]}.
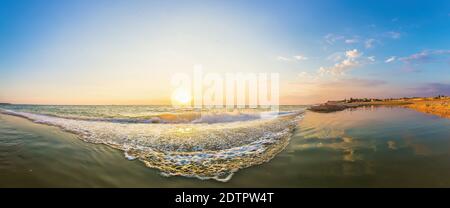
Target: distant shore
{"points": [[439, 105]]}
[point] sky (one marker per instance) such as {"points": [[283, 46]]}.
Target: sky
{"points": [[125, 52]]}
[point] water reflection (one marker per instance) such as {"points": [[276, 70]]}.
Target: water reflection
{"points": [[377, 144]]}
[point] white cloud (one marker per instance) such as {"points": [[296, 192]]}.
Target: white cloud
{"points": [[352, 54], [331, 38], [426, 56], [351, 41], [282, 58], [390, 59], [369, 43], [336, 56], [343, 66], [393, 34], [339, 68], [300, 58], [422, 56], [352, 60], [293, 58]]}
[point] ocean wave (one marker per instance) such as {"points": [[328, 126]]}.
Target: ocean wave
{"points": [[209, 117], [207, 147]]}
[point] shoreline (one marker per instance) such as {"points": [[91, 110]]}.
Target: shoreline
{"points": [[439, 106], [278, 143], [48, 151]]}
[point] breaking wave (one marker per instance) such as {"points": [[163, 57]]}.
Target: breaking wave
{"points": [[202, 145]]}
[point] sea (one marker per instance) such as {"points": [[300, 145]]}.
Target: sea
{"points": [[162, 146]]}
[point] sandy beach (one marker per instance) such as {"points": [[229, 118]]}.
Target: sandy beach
{"points": [[439, 106]]}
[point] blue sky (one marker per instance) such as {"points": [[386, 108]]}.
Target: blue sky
{"points": [[124, 52]]}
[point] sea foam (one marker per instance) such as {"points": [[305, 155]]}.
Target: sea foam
{"points": [[212, 146]]}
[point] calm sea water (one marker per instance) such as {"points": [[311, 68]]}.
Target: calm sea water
{"points": [[363, 147]]}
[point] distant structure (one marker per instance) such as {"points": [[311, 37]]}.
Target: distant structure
{"points": [[358, 100], [441, 97], [365, 100]]}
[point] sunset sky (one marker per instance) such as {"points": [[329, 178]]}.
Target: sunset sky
{"points": [[125, 52]]}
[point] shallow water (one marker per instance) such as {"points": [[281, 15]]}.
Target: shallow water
{"points": [[212, 144], [363, 147]]}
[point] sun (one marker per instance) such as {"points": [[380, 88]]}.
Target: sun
{"points": [[181, 97]]}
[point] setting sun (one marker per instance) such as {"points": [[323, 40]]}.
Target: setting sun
{"points": [[181, 97]]}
